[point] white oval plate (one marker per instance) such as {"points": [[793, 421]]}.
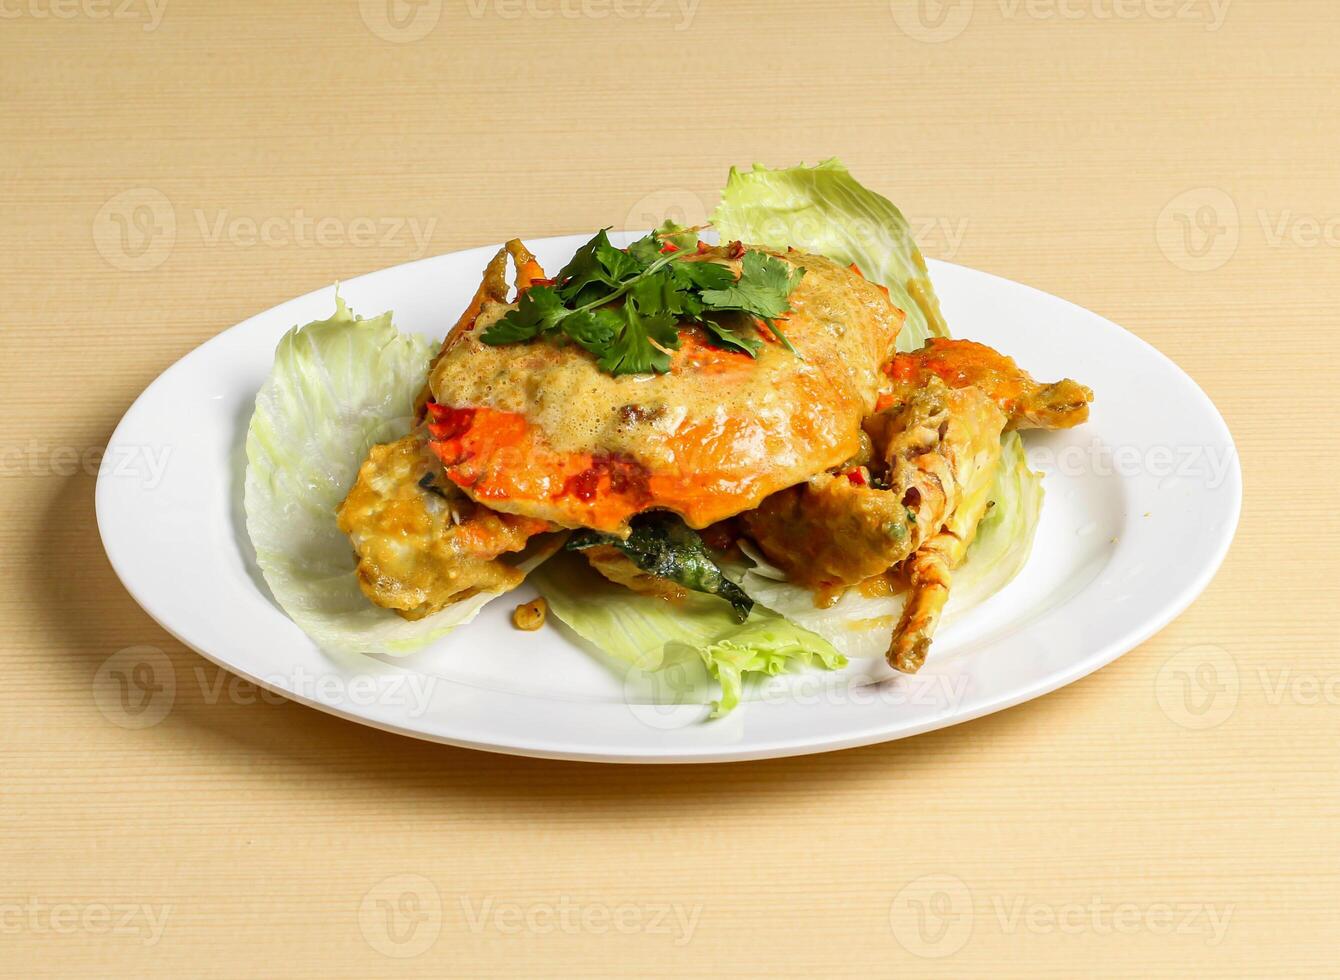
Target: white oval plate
{"points": [[1142, 503]]}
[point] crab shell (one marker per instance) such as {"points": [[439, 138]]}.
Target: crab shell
{"points": [[539, 430]]}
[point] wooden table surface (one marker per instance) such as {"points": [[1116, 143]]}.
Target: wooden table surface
{"points": [[168, 170]]}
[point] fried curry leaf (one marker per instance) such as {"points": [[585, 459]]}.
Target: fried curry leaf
{"points": [[663, 545]]}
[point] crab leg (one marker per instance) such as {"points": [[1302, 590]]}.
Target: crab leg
{"points": [[943, 447], [492, 289], [1027, 404], [528, 268], [930, 571]]}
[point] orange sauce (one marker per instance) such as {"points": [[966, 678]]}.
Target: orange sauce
{"points": [[889, 583]]}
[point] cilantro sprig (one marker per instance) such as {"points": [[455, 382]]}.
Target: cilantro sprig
{"points": [[625, 305]]}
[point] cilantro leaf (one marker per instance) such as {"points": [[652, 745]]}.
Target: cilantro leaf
{"points": [[511, 329], [584, 268], [650, 247], [663, 290], [626, 306], [594, 330], [638, 347], [539, 311], [705, 275], [646, 249], [618, 264], [677, 235], [764, 285], [595, 270], [728, 338]]}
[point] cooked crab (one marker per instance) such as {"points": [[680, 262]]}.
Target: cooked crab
{"points": [[540, 430], [925, 487], [841, 459], [421, 543]]}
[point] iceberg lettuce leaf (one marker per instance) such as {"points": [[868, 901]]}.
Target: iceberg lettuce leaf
{"points": [[338, 387], [823, 210], [643, 635]]}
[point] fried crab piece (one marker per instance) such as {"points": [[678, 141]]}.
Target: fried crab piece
{"points": [[929, 569], [962, 363], [540, 429], [841, 529], [421, 543], [923, 487]]}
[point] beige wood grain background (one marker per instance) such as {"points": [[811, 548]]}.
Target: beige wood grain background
{"points": [[167, 170]]}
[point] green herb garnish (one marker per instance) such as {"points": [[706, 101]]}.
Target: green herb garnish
{"points": [[662, 544], [625, 305]]}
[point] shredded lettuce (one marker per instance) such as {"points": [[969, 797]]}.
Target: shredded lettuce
{"points": [[338, 387], [822, 209]]}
